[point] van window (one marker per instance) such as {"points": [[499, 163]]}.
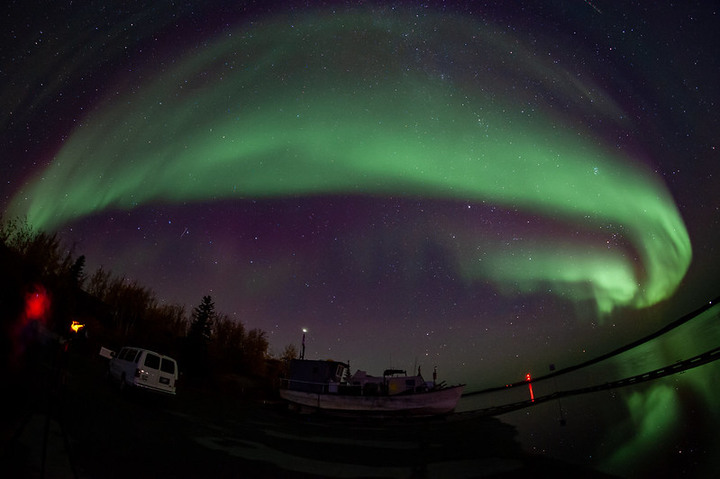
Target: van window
{"points": [[167, 366], [128, 354], [152, 361]]}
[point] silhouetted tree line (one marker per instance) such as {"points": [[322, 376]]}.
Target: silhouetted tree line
{"points": [[117, 311]]}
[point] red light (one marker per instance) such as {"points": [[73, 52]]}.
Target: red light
{"points": [[37, 304], [532, 396]]}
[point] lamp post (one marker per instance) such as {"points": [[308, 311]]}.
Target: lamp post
{"points": [[302, 353]]}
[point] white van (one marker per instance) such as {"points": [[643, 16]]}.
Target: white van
{"points": [[141, 368]]}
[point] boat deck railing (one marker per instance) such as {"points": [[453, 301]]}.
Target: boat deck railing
{"points": [[353, 389], [367, 389]]}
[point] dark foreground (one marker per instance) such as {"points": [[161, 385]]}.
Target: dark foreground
{"points": [[67, 421]]}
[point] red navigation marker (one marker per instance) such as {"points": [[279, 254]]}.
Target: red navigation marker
{"points": [[532, 396]]}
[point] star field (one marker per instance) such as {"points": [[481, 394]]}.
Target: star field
{"points": [[480, 188]]}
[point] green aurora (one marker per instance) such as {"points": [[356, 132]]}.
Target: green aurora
{"points": [[366, 104]]}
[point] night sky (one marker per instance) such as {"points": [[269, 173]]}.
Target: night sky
{"points": [[484, 189]]}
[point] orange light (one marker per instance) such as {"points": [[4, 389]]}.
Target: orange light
{"points": [[75, 326]]}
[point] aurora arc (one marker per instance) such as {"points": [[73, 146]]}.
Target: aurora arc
{"points": [[361, 103]]}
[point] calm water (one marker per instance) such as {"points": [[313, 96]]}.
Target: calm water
{"points": [[664, 427]]}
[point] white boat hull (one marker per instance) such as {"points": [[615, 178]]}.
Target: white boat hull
{"points": [[441, 401]]}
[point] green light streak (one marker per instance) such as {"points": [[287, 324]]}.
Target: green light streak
{"points": [[666, 414], [363, 103], [653, 419]]}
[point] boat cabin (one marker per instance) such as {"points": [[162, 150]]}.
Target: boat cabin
{"points": [[316, 375], [333, 377], [394, 381]]}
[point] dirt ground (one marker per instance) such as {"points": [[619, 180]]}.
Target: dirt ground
{"points": [[66, 420]]}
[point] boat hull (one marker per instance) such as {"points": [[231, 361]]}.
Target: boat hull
{"points": [[441, 401]]}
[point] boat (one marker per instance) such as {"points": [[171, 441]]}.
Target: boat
{"points": [[326, 385]]}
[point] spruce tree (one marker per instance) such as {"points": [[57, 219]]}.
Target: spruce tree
{"points": [[203, 317], [195, 357]]}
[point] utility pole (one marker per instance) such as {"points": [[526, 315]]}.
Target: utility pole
{"points": [[302, 353]]}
